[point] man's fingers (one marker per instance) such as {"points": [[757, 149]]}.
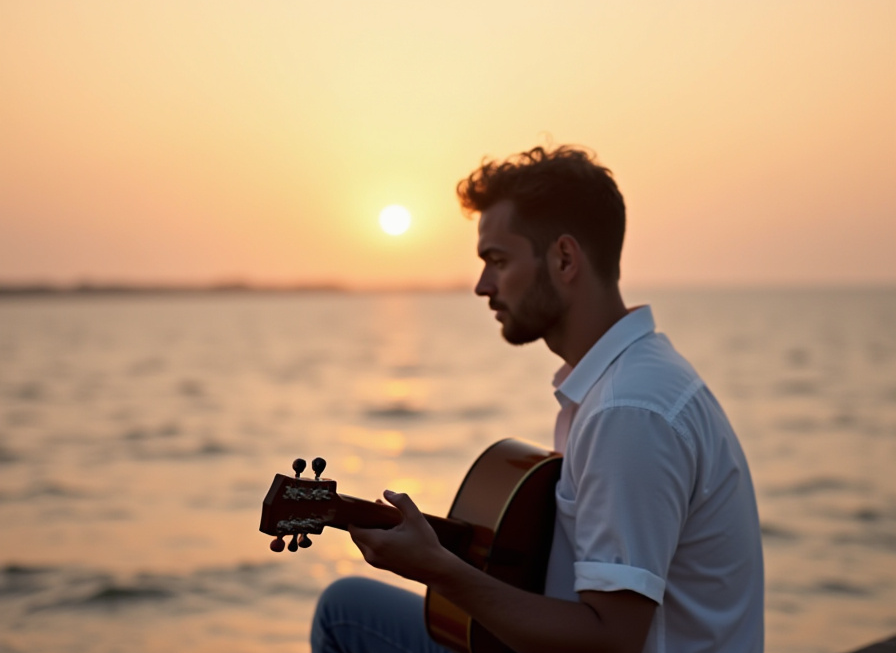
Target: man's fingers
{"points": [[403, 502], [362, 538]]}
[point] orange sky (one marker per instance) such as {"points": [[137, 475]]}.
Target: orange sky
{"points": [[186, 141]]}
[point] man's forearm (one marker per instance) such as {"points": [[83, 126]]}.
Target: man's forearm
{"points": [[529, 622]]}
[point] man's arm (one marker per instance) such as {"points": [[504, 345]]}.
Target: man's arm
{"points": [[600, 621]]}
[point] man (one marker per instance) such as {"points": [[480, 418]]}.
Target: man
{"points": [[656, 544]]}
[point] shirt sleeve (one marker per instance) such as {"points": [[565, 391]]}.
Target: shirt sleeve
{"points": [[630, 480]]}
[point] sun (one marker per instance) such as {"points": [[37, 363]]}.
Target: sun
{"points": [[395, 219]]}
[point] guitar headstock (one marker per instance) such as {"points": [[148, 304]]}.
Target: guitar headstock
{"points": [[299, 506]]}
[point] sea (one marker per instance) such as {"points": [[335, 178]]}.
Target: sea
{"points": [[139, 434]]}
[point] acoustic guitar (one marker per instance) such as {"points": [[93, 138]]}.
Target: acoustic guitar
{"points": [[501, 521]]}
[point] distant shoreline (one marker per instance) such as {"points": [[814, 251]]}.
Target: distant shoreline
{"points": [[85, 290], [115, 288], [94, 290]]}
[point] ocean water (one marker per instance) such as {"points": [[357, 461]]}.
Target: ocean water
{"points": [[139, 434]]}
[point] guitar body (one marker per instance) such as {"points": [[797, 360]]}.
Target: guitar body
{"points": [[508, 496]]}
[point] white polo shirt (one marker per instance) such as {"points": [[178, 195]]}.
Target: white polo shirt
{"points": [[655, 495]]}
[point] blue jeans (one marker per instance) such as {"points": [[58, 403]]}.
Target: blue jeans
{"points": [[359, 615]]}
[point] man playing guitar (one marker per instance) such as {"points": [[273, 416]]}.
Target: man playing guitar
{"points": [[656, 545]]}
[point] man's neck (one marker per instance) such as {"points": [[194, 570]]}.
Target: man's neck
{"points": [[586, 320]]}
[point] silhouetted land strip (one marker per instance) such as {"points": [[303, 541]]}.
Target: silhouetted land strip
{"points": [[26, 290], [111, 290]]}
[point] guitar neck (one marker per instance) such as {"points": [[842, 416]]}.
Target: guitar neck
{"points": [[454, 534], [301, 505]]}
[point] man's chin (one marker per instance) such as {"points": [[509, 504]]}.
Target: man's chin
{"points": [[516, 336]]}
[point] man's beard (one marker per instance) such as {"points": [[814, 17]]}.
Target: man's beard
{"points": [[539, 310]]}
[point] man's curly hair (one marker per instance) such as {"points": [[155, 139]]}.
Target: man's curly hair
{"points": [[563, 191]]}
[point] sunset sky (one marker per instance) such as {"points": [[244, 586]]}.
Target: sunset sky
{"points": [[178, 141]]}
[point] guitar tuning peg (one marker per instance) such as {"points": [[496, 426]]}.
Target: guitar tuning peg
{"points": [[305, 541], [298, 466], [278, 544], [294, 543], [318, 465]]}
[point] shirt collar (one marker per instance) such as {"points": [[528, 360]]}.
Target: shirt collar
{"points": [[573, 383]]}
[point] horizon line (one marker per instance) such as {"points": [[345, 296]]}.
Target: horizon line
{"points": [[137, 288]]}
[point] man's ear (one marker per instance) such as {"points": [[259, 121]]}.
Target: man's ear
{"points": [[567, 258]]}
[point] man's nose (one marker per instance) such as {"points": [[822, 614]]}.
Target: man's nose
{"points": [[484, 287]]}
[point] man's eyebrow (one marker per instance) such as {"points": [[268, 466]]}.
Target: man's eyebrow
{"points": [[490, 251]]}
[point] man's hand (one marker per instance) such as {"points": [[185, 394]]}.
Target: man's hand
{"points": [[411, 549]]}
